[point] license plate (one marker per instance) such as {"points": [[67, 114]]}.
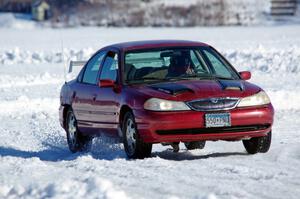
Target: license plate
{"points": [[217, 120]]}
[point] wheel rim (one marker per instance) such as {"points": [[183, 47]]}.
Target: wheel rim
{"points": [[72, 129], [130, 136]]}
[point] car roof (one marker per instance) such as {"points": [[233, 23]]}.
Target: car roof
{"points": [[137, 45]]}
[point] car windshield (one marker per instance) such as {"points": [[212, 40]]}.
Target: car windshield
{"points": [[176, 64]]}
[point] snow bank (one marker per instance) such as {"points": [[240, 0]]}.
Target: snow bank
{"points": [[268, 60], [16, 21], [81, 188], [15, 56]]}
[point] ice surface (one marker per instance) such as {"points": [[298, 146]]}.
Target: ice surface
{"points": [[35, 161]]}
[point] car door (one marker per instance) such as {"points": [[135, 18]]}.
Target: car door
{"points": [[86, 91], [106, 103]]}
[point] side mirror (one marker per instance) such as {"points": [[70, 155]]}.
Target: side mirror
{"points": [[104, 83], [245, 75]]}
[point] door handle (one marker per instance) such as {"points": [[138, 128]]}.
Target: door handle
{"points": [[74, 94], [94, 97]]}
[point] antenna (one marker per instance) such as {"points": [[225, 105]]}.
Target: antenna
{"points": [[63, 57]]}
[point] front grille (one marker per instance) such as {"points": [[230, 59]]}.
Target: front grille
{"points": [[213, 104], [231, 129]]}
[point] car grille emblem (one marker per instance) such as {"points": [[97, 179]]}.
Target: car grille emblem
{"points": [[213, 104], [214, 100]]}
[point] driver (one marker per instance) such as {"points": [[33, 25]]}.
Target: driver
{"points": [[180, 65]]}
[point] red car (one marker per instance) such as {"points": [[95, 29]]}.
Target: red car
{"points": [[165, 92]]}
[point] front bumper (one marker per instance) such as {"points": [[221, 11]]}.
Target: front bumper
{"points": [[185, 126]]}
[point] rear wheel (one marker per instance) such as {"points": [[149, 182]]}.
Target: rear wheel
{"points": [[194, 145], [258, 144], [76, 141], [133, 144]]}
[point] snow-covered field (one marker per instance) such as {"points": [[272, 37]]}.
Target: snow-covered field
{"points": [[34, 158]]}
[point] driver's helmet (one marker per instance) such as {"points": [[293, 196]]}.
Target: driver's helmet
{"points": [[179, 63]]}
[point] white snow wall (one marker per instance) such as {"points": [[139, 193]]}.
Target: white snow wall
{"points": [[163, 13]]}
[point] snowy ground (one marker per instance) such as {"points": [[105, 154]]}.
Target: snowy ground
{"points": [[35, 161]]}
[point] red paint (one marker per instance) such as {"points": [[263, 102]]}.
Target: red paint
{"points": [[150, 122]]}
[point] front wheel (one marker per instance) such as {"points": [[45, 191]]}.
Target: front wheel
{"points": [[76, 141], [133, 144], [258, 144]]}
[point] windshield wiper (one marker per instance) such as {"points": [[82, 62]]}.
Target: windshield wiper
{"points": [[185, 77], [197, 76], [145, 79], [221, 77], [149, 78], [191, 76]]}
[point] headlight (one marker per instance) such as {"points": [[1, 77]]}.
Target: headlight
{"points": [[155, 104], [260, 98]]}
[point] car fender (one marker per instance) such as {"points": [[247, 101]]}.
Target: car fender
{"points": [[66, 95]]}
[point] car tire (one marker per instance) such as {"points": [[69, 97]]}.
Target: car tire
{"points": [[258, 144], [134, 146], [76, 140], [194, 145]]}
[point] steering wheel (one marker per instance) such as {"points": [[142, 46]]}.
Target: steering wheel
{"points": [[198, 69]]}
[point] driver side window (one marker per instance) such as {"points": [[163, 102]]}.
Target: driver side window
{"points": [[92, 68]]}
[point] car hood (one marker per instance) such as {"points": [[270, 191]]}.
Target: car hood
{"points": [[187, 90]]}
